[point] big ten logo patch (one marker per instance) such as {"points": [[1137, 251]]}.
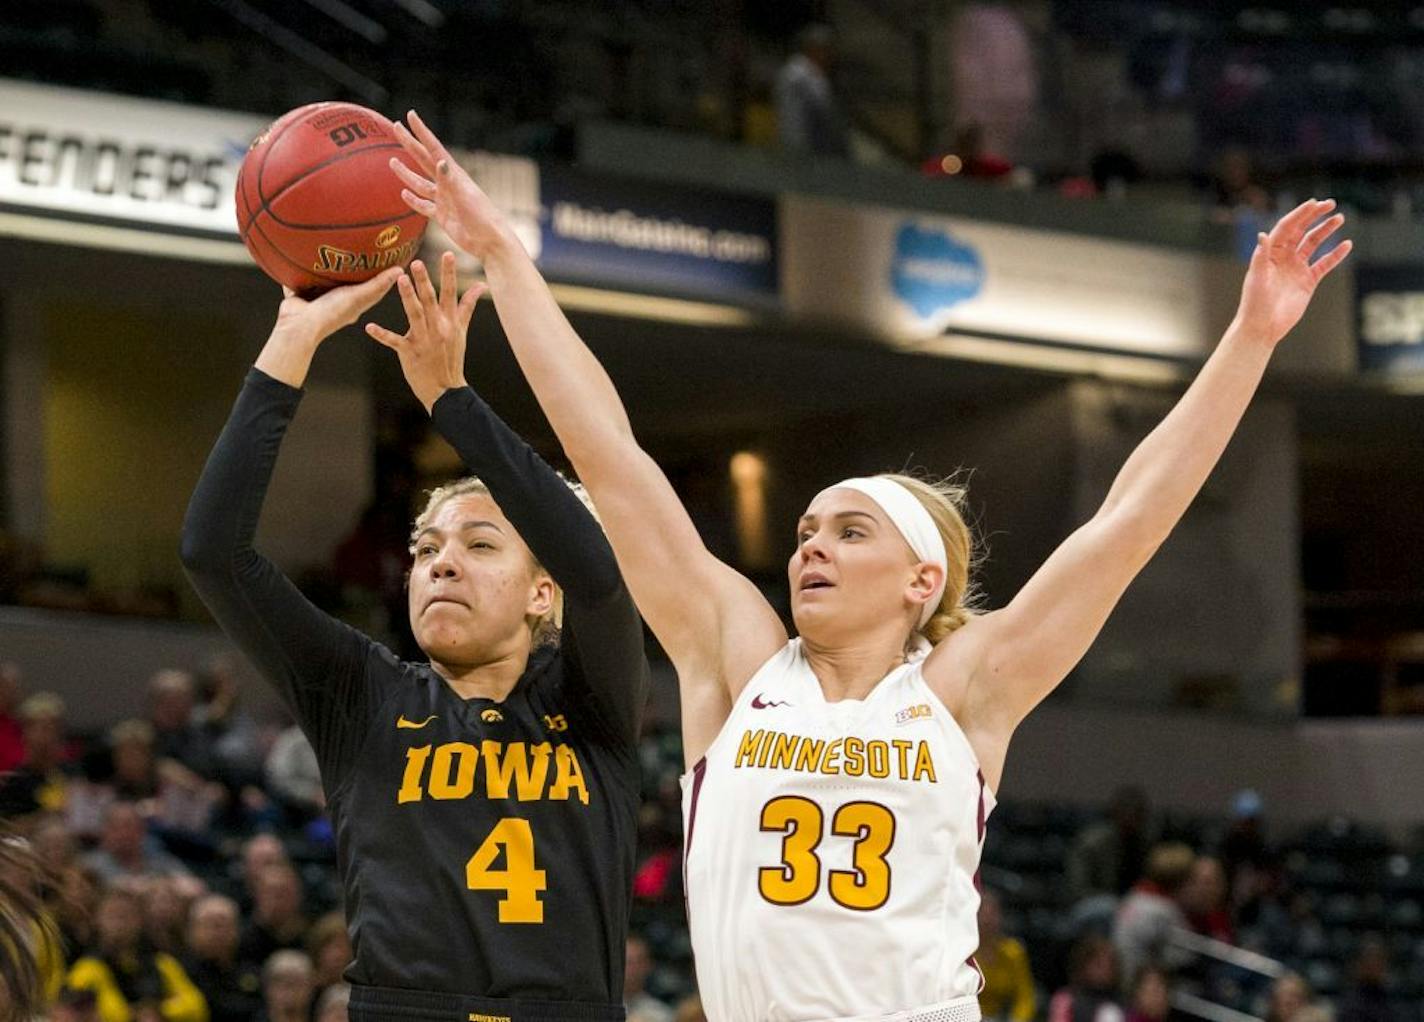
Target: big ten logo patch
{"points": [[910, 714]]}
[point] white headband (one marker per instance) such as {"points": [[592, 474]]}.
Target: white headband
{"points": [[908, 515]]}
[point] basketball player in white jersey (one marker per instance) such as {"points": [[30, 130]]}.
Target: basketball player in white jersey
{"points": [[840, 780]]}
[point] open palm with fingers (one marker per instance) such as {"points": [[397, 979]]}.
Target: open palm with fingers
{"points": [[444, 192], [1282, 277], [432, 350], [314, 319]]}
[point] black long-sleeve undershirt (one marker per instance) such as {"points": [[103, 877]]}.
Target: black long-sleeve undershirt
{"points": [[332, 676]]}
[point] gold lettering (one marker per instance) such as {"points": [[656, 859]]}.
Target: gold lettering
{"points": [[808, 754], [924, 763], [902, 746], [337, 260], [783, 756], [568, 775], [410, 790], [465, 758], [833, 751], [878, 753], [746, 752], [854, 752], [328, 258], [504, 763], [765, 749]]}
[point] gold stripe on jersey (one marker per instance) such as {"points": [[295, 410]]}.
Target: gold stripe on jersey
{"points": [[849, 756]]}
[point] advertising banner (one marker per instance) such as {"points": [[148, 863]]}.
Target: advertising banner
{"points": [[98, 158], [909, 276], [1389, 302], [670, 239], [635, 237]]}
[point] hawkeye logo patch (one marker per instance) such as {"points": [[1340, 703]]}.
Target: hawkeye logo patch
{"points": [[401, 722], [910, 714], [491, 716]]}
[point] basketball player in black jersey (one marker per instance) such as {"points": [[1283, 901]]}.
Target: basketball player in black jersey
{"points": [[484, 802]]}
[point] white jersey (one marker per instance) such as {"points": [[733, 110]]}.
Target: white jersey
{"points": [[832, 854]]}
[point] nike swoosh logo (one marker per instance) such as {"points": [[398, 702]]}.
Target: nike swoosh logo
{"points": [[759, 704], [402, 722]]}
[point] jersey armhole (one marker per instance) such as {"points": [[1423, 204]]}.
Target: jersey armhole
{"points": [[747, 694], [939, 707]]}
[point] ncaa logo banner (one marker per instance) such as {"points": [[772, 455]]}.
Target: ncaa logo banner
{"points": [[74, 155], [1390, 306]]}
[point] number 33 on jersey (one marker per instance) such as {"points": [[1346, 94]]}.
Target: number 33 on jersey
{"points": [[819, 838]]}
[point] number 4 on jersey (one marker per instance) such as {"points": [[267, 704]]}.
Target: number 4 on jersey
{"points": [[519, 880]]}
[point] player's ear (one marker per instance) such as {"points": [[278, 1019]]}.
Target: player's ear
{"points": [[928, 577], [541, 594]]}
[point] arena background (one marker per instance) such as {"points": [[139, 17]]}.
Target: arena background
{"points": [[1021, 302]]}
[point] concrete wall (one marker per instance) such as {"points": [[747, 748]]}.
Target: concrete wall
{"points": [[101, 666], [1365, 770], [117, 382], [1216, 616]]}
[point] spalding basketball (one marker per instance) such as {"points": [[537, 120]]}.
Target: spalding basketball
{"points": [[317, 202]]}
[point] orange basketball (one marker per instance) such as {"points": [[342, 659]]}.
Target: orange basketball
{"points": [[317, 202]]}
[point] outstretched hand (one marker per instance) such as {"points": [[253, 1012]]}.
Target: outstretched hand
{"points": [[313, 320], [432, 350], [445, 193], [1282, 279]]}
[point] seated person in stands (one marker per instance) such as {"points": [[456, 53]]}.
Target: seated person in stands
{"points": [[287, 988], [171, 699], [127, 851], [277, 922], [1291, 999], [330, 950], [1148, 999], [128, 978], [232, 987], [1146, 918], [41, 780], [1008, 992], [1092, 991]]}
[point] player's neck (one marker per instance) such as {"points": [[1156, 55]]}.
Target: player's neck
{"points": [[491, 679], [852, 670]]}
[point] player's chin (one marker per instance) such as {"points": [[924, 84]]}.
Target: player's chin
{"points": [[443, 640], [810, 615]]}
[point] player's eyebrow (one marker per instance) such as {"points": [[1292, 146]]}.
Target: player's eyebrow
{"points": [[838, 516], [479, 523]]}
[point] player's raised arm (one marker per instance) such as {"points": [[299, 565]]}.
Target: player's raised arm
{"points": [[714, 624], [601, 627], [301, 649], [1010, 659]]}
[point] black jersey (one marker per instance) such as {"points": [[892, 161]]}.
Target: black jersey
{"points": [[486, 849]]}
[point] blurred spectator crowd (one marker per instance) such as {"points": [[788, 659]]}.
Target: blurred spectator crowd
{"points": [[1092, 97], [190, 870]]}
